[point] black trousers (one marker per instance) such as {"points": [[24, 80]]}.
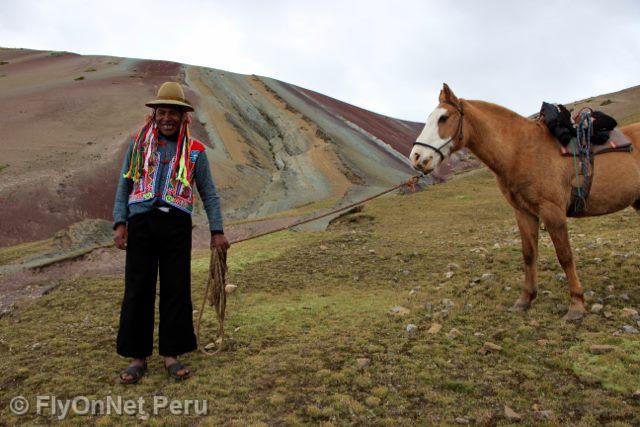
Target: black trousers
{"points": [[157, 241]]}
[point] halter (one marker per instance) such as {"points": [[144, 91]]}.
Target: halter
{"points": [[459, 134]]}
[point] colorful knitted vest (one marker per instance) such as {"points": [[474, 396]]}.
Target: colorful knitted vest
{"points": [[174, 191]]}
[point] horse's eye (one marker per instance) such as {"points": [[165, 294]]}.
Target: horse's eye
{"points": [[442, 119]]}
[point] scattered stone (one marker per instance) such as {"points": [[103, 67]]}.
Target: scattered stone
{"points": [[210, 346], [560, 277], [547, 293], [629, 329], [601, 348], [624, 297], [636, 394], [399, 311], [544, 416], [36, 346], [363, 363], [496, 246], [412, 329], [434, 329], [461, 420], [475, 280], [324, 247], [453, 266], [372, 251], [511, 415], [597, 260], [489, 347], [478, 334], [454, 333], [412, 292], [406, 272], [448, 274], [630, 313], [589, 293], [507, 288], [488, 276], [608, 315], [230, 288], [596, 308], [610, 288]]}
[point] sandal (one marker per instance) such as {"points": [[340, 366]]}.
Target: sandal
{"points": [[176, 367], [135, 371]]}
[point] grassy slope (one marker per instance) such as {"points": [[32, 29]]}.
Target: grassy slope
{"points": [[310, 304]]}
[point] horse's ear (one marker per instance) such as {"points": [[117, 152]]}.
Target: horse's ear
{"points": [[447, 95]]}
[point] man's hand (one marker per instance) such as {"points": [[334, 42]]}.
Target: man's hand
{"points": [[219, 241], [120, 236]]}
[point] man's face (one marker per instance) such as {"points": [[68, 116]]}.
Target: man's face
{"points": [[168, 120]]}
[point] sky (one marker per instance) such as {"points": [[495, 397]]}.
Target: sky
{"points": [[390, 57]]}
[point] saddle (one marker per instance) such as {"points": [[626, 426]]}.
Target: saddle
{"points": [[589, 133]]}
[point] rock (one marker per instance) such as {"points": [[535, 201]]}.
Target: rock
{"points": [[630, 313], [496, 246], [560, 277], [434, 329], [453, 266], [610, 288], [629, 329], [363, 363], [478, 334], [454, 333], [36, 346], [511, 415], [406, 272], [589, 293], [461, 420], [399, 311], [448, 274], [412, 292], [489, 347], [636, 394], [411, 329], [210, 346], [597, 260], [596, 308], [544, 415], [475, 280], [372, 251], [601, 348], [324, 247], [488, 276], [230, 288], [608, 315], [624, 297]]}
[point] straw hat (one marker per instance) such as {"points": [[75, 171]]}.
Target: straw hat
{"points": [[170, 93]]}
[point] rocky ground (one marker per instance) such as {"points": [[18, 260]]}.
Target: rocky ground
{"points": [[396, 315]]}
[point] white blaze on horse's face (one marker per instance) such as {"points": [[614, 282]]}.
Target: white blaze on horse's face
{"points": [[426, 159]]}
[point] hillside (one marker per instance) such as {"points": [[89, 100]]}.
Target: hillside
{"points": [[316, 335], [67, 120]]}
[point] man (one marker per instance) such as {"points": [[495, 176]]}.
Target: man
{"points": [[152, 221]]}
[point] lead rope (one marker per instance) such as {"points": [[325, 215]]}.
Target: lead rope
{"points": [[215, 290]]}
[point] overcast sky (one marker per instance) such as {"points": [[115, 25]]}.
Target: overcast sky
{"points": [[387, 56]]}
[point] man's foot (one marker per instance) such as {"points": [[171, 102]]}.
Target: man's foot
{"points": [[175, 369], [134, 371]]}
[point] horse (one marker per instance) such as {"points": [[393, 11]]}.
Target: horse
{"points": [[532, 175]]}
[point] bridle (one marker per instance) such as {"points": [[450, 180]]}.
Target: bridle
{"points": [[458, 135]]}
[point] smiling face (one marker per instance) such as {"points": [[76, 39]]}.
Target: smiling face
{"points": [[168, 120]]}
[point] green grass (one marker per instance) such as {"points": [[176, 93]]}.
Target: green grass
{"points": [[309, 304], [3, 167], [16, 253]]}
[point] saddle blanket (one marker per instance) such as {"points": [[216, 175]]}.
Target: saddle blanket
{"points": [[617, 142]]}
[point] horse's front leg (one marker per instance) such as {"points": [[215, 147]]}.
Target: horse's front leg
{"points": [[528, 225], [555, 221]]}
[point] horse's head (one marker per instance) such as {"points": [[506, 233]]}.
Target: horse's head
{"points": [[442, 133]]}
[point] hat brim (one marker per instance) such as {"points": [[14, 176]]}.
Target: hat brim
{"points": [[170, 102]]}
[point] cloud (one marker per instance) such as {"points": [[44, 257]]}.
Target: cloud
{"points": [[387, 56]]}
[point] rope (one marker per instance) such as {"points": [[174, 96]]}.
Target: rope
{"points": [[215, 292]]}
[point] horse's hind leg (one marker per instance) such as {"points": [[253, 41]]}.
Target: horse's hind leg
{"points": [[528, 225], [556, 222]]}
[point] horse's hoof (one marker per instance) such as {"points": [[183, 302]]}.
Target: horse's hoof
{"points": [[522, 304], [574, 314]]}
